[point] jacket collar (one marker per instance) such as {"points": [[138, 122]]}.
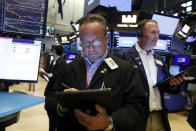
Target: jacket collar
{"points": [[100, 73]]}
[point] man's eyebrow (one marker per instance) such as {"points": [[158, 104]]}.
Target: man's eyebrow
{"points": [[94, 39]]}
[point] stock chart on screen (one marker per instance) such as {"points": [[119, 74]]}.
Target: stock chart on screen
{"points": [[23, 16]]}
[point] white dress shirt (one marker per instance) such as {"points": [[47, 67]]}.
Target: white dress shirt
{"points": [[151, 74]]}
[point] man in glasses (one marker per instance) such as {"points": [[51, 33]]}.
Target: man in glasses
{"points": [[96, 67]]}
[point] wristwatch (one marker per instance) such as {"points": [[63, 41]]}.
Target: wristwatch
{"points": [[111, 125]]}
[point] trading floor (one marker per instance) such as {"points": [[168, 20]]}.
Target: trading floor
{"points": [[35, 118]]}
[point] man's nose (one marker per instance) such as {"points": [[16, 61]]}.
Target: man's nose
{"points": [[91, 47]]}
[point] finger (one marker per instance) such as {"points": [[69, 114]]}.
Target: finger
{"points": [[82, 118], [180, 79], [70, 89], [172, 82], [100, 108], [176, 81]]}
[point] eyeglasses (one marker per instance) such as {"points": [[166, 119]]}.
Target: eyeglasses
{"points": [[94, 43]]}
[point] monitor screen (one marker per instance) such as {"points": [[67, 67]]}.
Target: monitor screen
{"points": [[70, 57], [50, 31], [162, 45], [124, 39], [78, 45], [118, 4], [64, 38], [67, 48], [25, 17], [127, 41], [174, 69], [167, 24], [19, 59], [182, 59], [191, 39]]}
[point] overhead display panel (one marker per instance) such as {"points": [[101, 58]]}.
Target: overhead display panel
{"points": [[23, 17], [167, 24]]}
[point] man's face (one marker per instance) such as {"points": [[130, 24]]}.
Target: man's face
{"points": [[93, 33], [150, 36]]}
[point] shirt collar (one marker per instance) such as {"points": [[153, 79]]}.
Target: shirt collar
{"points": [[87, 61], [139, 50], [56, 58]]}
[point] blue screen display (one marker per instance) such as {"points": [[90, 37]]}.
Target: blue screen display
{"points": [[167, 25], [70, 57], [162, 45], [182, 59]]}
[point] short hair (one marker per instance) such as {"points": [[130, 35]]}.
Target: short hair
{"points": [[90, 18], [58, 49], [141, 25]]}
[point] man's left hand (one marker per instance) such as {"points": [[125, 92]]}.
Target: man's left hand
{"points": [[98, 122]]}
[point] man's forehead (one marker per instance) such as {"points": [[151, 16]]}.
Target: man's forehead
{"points": [[151, 26]]}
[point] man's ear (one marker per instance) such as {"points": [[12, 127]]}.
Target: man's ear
{"points": [[106, 39], [107, 36]]}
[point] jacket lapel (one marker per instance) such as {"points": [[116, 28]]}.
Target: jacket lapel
{"points": [[82, 77], [138, 61]]}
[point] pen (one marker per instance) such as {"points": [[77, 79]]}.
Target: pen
{"points": [[102, 86], [65, 86]]}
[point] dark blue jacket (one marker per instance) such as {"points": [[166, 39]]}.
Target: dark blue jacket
{"points": [[133, 57]]}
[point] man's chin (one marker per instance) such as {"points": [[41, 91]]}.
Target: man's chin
{"points": [[93, 59]]}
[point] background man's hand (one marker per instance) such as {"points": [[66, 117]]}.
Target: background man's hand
{"points": [[176, 81]]}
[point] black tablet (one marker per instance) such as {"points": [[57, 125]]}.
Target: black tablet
{"points": [[85, 100], [167, 79]]}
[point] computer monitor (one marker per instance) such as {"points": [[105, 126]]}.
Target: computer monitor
{"points": [[191, 39], [67, 48], [78, 45], [124, 39], [167, 24], [182, 59], [70, 57], [174, 69], [23, 17], [19, 59], [162, 45]]}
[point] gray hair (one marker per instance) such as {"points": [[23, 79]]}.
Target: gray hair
{"points": [[141, 25], [90, 18]]}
